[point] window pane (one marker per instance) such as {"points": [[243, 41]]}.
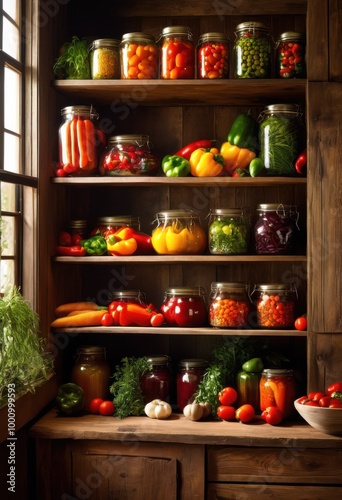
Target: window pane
{"points": [[10, 39], [7, 236], [12, 102], [8, 197], [11, 153], [11, 7], [7, 274]]}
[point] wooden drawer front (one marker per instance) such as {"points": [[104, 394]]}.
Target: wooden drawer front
{"points": [[274, 465], [274, 492]]}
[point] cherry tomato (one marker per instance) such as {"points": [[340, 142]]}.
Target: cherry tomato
{"points": [[157, 319], [272, 415], [316, 396], [302, 400], [309, 402], [335, 403], [106, 408], [227, 396], [94, 405], [61, 172], [107, 319], [301, 323], [245, 413], [335, 387], [324, 401], [226, 412]]}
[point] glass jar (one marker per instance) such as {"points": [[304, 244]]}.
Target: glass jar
{"points": [[178, 232], [276, 305], [213, 56], [252, 50], [229, 305], [229, 231], [156, 384], [139, 56], [78, 227], [276, 229], [184, 307], [105, 59], [278, 388], [290, 55], [189, 375], [78, 141], [281, 134], [128, 155], [177, 53], [109, 225], [91, 372], [131, 296]]}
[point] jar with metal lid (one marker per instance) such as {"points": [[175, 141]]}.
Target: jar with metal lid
{"points": [[139, 56], [78, 141], [281, 138], [184, 307], [109, 225], [178, 232], [275, 304], [156, 384], [105, 59], [131, 296], [91, 372], [290, 55], [229, 231], [177, 53], [278, 388], [78, 227], [129, 154], [252, 50], [190, 374], [213, 56], [276, 229], [229, 305]]}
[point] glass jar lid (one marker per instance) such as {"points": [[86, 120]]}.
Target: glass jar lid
{"points": [[138, 36], [234, 286], [213, 37], [277, 372], [162, 359], [139, 139], [193, 363], [252, 26], [176, 30], [292, 35], [80, 110], [105, 42], [197, 290]]}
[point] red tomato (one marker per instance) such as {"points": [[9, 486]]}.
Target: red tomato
{"points": [[227, 396], [106, 408], [272, 415], [61, 172], [316, 396], [301, 323], [107, 319], [302, 400], [94, 405], [324, 401], [309, 402], [157, 319], [226, 412], [335, 403], [335, 387], [245, 413]]}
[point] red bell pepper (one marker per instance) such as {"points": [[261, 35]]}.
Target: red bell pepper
{"points": [[187, 150], [72, 251], [301, 162]]}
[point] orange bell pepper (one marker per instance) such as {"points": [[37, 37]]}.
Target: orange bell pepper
{"points": [[206, 163], [236, 159], [115, 246]]}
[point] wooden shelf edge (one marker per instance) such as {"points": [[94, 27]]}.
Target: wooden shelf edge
{"points": [[179, 259]]}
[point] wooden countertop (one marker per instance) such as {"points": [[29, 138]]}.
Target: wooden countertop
{"points": [[178, 429]]}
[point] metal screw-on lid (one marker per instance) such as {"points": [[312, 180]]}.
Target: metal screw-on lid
{"points": [[282, 108], [234, 286], [277, 372], [193, 363], [213, 37], [275, 286], [176, 30], [105, 42], [139, 139], [80, 110], [229, 212], [276, 207], [159, 360], [197, 290], [118, 219], [138, 36], [177, 214], [252, 26], [292, 35]]}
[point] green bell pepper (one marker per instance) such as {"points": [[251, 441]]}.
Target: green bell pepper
{"points": [[70, 399], [247, 386], [254, 365], [95, 245], [175, 166], [244, 132]]}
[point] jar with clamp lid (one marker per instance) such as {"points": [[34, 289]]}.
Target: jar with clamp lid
{"points": [[275, 304], [278, 388], [228, 231], [177, 53], [105, 59], [213, 56], [290, 55], [189, 376], [156, 383], [252, 49], [184, 307], [229, 305], [139, 56]]}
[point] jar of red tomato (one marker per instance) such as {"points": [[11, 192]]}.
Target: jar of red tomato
{"points": [[213, 56], [177, 53], [156, 384], [290, 51], [139, 56], [275, 305], [278, 388], [107, 225], [229, 305], [189, 375], [184, 307]]}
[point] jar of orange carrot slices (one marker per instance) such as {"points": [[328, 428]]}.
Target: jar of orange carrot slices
{"points": [[278, 388]]}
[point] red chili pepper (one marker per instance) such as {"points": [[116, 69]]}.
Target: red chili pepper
{"points": [[301, 162], [73, 251], [186, 151]]}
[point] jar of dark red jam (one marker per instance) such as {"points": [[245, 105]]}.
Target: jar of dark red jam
{"points": [[278, 388], [156, 384], [189, 375], [184, 307]]}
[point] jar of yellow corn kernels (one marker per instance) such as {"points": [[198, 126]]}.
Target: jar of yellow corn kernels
{"points": [[105, 59]]}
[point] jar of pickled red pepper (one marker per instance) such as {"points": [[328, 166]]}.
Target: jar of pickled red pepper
{"points": [[189, 375], [290, 55], [177, 53], [276, 305], [104, 59], [276, 229], [156, 384], [229, 305], [278, 388], [127, 155], [228, 231], [91, 372], [184, 307], [139, 56], [213, 56], [178, 232], [109, 225], [252, 50], [79, 141]]}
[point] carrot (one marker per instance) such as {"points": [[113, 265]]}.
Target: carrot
{"points": [[65, 309], [90, 142], [75, 155], [81, 138], [134, 314], [87, 318]]}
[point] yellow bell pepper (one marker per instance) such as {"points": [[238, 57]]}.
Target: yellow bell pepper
{"points": [[204, 163], [236, 159]]}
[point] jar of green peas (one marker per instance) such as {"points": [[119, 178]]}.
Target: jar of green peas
{"points": [[252, 50]]}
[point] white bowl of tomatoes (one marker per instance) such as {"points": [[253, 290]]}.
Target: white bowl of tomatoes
{"points": [[323, 411]]}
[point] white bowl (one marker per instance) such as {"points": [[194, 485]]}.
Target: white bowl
{"points": [[327, 420]]}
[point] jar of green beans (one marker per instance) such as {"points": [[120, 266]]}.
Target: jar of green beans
{"points": [[281, 138], [252, 50]]}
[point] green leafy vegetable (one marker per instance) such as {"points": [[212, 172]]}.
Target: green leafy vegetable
{"points": [[73, 62]]}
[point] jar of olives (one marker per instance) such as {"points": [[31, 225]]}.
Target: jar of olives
{"points": [[213, 56], [252, 50], [229, 231]]}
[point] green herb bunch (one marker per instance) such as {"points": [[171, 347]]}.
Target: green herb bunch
{"points": [[73, 62]]}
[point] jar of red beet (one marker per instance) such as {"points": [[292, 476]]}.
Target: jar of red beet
{"points": [[275, 305], [184, 307], [278, 388], [213, 56], [229, 305], [290, 50], [156, 384], [189, 375], [177, 53]]}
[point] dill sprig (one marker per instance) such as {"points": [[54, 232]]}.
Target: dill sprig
{"points": [[73, 62]]}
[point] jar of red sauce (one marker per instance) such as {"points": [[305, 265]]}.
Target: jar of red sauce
{"points": [[213, 56], [184, 307], [275, 305], [278, 388], [189, 375], [177, 53], [156, 384], [91, 372], [229, 305]]}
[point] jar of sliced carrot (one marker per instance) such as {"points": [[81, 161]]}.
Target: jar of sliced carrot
{"points": [[278, 388], [275, 305], [139, 56], [229, 305]]}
